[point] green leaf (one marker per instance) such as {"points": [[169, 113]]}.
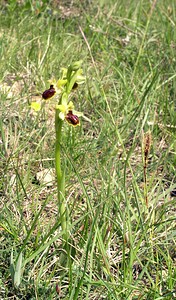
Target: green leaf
{"points": [[12, 267], [18, 271]]}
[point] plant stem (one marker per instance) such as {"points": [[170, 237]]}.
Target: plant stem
{"points": [[60, 177]]}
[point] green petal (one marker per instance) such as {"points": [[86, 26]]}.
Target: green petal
{"points": [[35, 106], [70, 106], [64, 72], [62, 116], [61, 107], [78, 113], [61, 83]]}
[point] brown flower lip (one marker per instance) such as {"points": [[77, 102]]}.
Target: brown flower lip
{"points": [[75, 86], [72, 119], [49, 93]]}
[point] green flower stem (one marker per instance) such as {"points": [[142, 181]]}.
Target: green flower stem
{"points": [[60, 177]]}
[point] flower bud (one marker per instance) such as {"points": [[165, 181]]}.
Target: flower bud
{"points": [[76, 65], [49, 93], [80, 79], [72, 119]]}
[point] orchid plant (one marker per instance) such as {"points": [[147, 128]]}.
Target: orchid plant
{"points": [[61, 90]]}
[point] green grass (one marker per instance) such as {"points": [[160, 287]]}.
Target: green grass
{"points": [[120, 248]]}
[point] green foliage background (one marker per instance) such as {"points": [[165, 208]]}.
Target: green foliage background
{"points": [[120, 248]]}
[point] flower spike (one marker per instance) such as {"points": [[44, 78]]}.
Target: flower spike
{"points": [[62, 88]]}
